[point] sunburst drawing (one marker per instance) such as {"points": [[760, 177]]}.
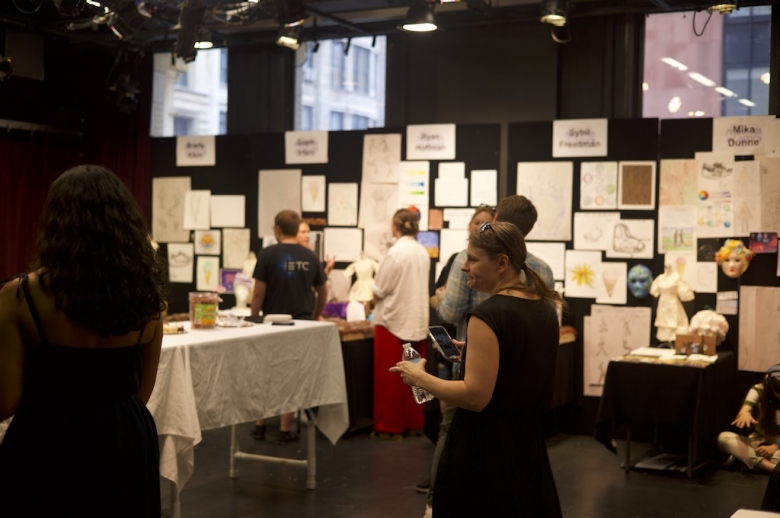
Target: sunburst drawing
{"points": [[583, 275]]}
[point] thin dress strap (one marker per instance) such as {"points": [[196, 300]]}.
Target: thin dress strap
{"points": [[140, 335], [33, 310]]}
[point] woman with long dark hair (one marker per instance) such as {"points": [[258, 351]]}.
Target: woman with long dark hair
{"points": [[495, 459], [80, 339]]}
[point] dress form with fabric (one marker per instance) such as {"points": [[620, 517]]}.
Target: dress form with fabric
{"points": [[364, 269], [671, 291], [81, 432]]}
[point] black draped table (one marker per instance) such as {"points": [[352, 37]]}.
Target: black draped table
{"points": [[696, 398]]}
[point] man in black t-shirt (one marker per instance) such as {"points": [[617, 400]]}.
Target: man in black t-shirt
{"points": [[287, 276]]}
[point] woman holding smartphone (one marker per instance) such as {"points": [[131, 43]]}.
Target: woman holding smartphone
{"points": [[495, 459]]}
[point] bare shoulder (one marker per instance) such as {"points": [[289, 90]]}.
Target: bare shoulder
{"points": [[8, 294]]}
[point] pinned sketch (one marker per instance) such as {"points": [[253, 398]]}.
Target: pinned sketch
{"points": [[342, 204], [181, 262], [747, 197], [742, 135], [227, 279], [197, 210], [235, 247], [451, 192], [451, 171], [312, 193], [706, 277], [598, 185], [168, 209], [770, 195], [435, 219], [684, 264], [636, 185], [676, 228], [484, 187], [458, 218], [678, 183], [430, 142], [612, 283], [430, 240], [715, 217], [759, 328], [345, 244], [208, 242], [549, 185], [413, 181], [228, 211], [592, 230], [207, 273], [611, 332], [551, 253], [581, 271], [452, 241], [279, 190], [632, 238], [381, 158], [196, 150], [378, 203], [706, 249], [305, 147], [338, 286], [727, 302]]}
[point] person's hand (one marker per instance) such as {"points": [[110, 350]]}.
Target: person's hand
{"points": [[410, 371], [330, 261], [767, 450], [441, 292], [460, 345], [744, 420]]}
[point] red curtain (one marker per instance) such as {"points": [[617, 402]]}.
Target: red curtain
{"points": [[29, 163]]}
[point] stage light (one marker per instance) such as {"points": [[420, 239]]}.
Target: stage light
{"points": [[420, 18], [126, 88], [726, 7], [69, 7], [554, 12], [290, 13], [190, 23], [289, 37]]}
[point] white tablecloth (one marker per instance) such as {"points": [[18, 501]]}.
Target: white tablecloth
{"points": [[219, 377]]}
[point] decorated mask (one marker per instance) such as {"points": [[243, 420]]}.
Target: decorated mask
{"points": [[639, 279], [733, 258]]}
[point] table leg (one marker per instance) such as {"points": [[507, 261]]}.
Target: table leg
{"points": [[627, 466], [691, 451], [233, 451], [175, 502], [311, 455]]}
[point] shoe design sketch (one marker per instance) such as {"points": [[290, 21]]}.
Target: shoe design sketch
{"points": [[623, 241]]}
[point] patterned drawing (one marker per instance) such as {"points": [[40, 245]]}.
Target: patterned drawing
{"points": [[208, 242], [581, 271], [677, 183], [715, 216], [636, 186], [610, 332], [381, 158], [770, 195], [197, 209], [168, 209], [235, 247], [598, 185], [342, 204]]}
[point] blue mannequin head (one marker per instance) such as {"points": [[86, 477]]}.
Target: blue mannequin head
{"points": [[639, 279]]}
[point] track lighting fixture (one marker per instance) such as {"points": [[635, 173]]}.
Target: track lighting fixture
{"points": [[555, 12], [289, 37], [420, 18], [69, 7], [290, 13], [723, 7], [190, 25]]}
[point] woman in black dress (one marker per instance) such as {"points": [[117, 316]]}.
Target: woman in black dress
{"points": [[80, 341], [495, 459]]}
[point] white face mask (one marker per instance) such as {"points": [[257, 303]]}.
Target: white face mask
{"points": [[734, 265]]}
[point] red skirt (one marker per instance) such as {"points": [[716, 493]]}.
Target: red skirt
{"points": [[395, 410]]}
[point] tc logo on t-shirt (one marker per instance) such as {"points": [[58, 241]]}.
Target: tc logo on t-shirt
{"points": [[293, 266]]}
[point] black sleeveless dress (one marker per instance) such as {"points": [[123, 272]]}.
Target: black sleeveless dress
{"points": [[82, 442], [495, 461]]}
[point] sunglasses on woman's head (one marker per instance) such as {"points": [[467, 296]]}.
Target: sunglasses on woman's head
{"points": [[487, 226], [490, 208]]}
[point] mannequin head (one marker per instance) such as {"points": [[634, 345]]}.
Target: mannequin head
{"points": [[733, 258], [639, 279]]}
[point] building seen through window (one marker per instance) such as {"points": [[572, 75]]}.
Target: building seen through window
{"points": [[340, 89], [723, 72], [191, 98]]}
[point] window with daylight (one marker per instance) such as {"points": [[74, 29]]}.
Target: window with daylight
{"points": [[341, 92], [724, 71]]}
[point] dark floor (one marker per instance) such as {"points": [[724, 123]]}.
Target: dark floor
{"points": [[367, 478]]}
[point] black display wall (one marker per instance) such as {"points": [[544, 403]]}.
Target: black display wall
{"points": [[239, 159], [629, 139]]}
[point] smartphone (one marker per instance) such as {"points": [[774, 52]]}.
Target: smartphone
{"points": [[443, 342]]}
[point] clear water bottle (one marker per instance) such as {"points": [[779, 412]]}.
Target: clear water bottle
{"points": [[410, 355]]}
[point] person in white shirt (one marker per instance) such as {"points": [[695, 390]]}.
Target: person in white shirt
{"points": [[400, 316]]}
